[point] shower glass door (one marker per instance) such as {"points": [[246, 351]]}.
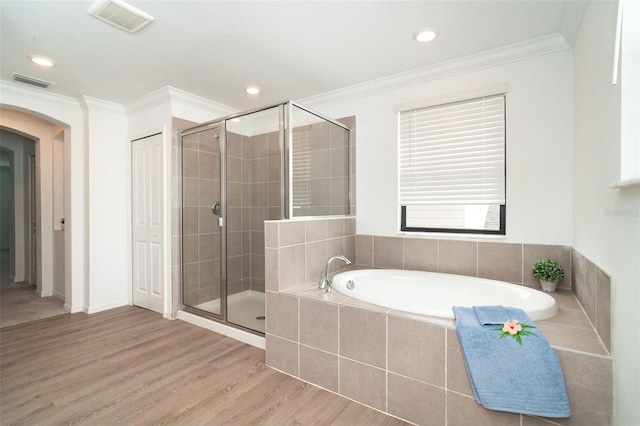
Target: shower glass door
{"points": [[253, 190], [202, 239]]}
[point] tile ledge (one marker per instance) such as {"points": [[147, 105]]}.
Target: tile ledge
{"points": [[579, 352]]}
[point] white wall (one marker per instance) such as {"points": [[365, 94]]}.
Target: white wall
{"points": [[607, 221], [539, 144], [107, 199]]}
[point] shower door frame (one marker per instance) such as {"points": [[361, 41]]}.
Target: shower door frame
{"points": [[222, 142], [285, 131]]}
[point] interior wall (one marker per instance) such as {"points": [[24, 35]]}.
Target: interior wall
{"points": [[539, 145], [107, 166], [607, 221]]}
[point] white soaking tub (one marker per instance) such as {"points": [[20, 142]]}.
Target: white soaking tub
{"points": [[434, 294]]}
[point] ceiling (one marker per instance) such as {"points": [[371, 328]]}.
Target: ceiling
{"points": [[291, 49]]}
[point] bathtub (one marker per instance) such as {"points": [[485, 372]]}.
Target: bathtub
{"points": [[432, 293]]}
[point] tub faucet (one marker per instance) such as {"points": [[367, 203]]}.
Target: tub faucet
{"points": [[325, 282]]}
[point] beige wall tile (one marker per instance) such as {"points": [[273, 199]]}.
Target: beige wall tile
{"points": [[417, 350], [190, 163], [465, 411], [190, 192], [350, 226], [335, 228], [572, 337], [420, 254], [586, 291], [363, 336], [590, 395], [603, 307], [281, 354], [457, 379], [417, 402], [319, 368], [292, 232], [363, 383], [500, 261], [458, 257], [292, 266], [271, 275], [387, 252], [282, 315], [315, 260], [316, 230], [319, 325], [364, 250], [208, 166], [271, 234], [190, 220], [190, 248]]}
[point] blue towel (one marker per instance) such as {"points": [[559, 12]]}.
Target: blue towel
{"points": [[505, 375]]}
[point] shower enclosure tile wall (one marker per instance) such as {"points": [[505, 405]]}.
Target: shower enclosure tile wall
{"points": [[246, 164], [253, 196], [201, 236]]}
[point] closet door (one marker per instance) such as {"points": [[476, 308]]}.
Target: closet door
{"points": [[147, 222]]}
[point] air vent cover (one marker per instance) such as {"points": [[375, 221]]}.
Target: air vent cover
{"points": [[120, 15], [30, 80]]}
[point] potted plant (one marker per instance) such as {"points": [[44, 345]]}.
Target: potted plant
{"points": [[549, 273]]}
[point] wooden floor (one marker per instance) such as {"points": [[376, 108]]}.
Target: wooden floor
{"points": [[130, 366]]}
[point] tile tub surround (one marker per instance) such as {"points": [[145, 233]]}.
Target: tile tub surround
{"points": [[407, 365]]}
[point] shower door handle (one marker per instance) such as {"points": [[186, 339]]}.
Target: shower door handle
{"points": [[216, 208]]}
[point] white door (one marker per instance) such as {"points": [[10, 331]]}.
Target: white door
{"points": [[147, 222]]}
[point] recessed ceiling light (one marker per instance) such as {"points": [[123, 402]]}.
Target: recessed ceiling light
{"points": [[43, 61], [252, 90], [425, 35]]}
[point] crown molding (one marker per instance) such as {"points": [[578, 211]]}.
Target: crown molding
{"points": [[179, 96], [9, 90], [88, 103], [487, 59], [148, 101], [172, 96]]}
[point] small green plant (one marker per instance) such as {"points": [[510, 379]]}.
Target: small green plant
{"points": [[548, 270]]}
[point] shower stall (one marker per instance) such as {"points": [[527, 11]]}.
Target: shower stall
{"points": [[279, 162]]}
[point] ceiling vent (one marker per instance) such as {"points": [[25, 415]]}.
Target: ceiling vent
{"points": [[30, 80], [120, 15]]}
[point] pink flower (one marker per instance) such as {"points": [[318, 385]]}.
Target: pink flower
{"points": [[512, 327]]}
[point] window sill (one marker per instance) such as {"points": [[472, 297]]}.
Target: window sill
{"points": [[628, 183], [452, 236]]}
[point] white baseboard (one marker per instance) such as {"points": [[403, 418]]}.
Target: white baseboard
{"points": [[99, 308]]}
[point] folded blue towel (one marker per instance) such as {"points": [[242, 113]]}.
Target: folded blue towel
{"points": [[492, 315], [505, 375]]}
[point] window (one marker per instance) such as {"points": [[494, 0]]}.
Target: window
{"points": [[452, 167]]}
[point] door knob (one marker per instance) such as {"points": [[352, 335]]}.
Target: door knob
{"points": [[216, 208]]}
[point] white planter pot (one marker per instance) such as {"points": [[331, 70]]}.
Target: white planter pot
{"points": [[548, 285]]}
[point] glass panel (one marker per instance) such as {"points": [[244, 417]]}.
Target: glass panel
{"points": [[201, 237], [253, 196], [319, 166]]}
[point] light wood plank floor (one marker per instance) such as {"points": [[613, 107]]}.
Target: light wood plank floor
{"points": [[130, 366]]}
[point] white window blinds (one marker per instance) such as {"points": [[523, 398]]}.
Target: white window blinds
{"points": [[453, 153]]}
